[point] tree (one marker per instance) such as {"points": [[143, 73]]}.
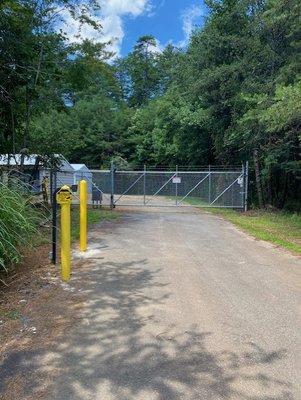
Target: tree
{"points": [[32, 58], [232, 95], [139, 72]]}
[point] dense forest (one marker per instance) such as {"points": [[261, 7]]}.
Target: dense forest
{"points": [[234, 94]]}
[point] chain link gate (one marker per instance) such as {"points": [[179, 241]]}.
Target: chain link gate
{"points": [[209, 187]]}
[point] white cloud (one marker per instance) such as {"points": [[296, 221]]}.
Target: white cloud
{"points": [[190, 19], [110, 17], [123, 7]]}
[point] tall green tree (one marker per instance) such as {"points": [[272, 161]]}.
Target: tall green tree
{"points": [[233, 95], [139, 73], [32, 58]]}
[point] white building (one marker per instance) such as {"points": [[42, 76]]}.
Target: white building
{"points": [[81, 171], [35, 173]]}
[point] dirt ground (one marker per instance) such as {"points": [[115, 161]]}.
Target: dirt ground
{"points": [[164, 305], [36, 310]]}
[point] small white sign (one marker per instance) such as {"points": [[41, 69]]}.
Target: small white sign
{"points": [[176, 180], [240, 181]]}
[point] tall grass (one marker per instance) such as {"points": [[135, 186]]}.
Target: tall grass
{"points": [[17, 225]]}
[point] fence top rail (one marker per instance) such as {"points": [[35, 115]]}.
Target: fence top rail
{"points": [[186, 168], [126, 204], [168, 170], [173, 172]]}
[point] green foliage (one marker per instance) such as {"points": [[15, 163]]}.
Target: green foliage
{"points": [[94, 216], [17, 225], [91, 131], [166, 132], [284, 111], [36, 63], [138, 72], [233, 95]]}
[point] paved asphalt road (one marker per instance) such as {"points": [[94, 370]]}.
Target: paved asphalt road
{"points": [[183, 306]]}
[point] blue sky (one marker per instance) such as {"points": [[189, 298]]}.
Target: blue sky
{"points": [[167, 20], [123, 21]]}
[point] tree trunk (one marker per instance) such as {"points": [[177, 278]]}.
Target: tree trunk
{"points": [[35, 169], [13, 137], [28, 103], [284, 193], [258, 178], [39, 65], [26, 130], [269, 186]]}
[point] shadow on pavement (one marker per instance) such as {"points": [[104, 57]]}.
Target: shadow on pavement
{"points": [[112, 355]]}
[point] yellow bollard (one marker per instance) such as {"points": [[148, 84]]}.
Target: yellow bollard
{"points": [[83, 215], [63, 198]]}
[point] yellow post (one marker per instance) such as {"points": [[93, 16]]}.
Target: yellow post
{"points": [[83, 215], [65, 242], [64, 199]]}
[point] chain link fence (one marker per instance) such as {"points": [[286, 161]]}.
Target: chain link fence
{"points": [[207, 188], [203, 187]]}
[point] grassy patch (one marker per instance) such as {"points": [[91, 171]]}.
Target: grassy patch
{"points": [[43, 235], [11, 314], [94, 216], [18, 221], [280, 228]]}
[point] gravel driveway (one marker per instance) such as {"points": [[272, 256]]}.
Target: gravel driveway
{"points": [[182, 305]]}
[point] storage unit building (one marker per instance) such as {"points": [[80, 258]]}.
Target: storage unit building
{"points": [[35, 173], [81, 171]]}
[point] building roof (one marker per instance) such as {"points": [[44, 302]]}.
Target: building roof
{"points": [[80, 167], [30, 160], [15, 159]]}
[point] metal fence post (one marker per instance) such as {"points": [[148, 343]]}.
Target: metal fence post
{"points": [[112, 205], [52, 184], [246, 185], [144, 184], [54, 227], [55, 181], [176, 185], [209, 186]]}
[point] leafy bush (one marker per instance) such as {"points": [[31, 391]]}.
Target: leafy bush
{"points": [[17, 225]]}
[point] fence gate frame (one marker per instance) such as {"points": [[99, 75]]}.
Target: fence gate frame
{"points": [[242, 177]]}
